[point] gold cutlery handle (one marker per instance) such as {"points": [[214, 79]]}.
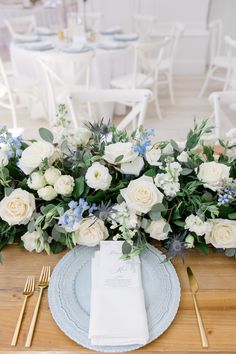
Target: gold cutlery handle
{"points": [[200, 324], [19, 321], [33, 321]]}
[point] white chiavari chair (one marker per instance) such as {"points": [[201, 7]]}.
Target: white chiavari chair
{"points": [[21, 25]]}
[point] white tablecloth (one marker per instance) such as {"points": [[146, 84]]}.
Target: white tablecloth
{"points": [[106, 65]]}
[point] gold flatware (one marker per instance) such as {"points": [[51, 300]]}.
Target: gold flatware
{"points": [[42, 284], [194, 287], [27, 292]]}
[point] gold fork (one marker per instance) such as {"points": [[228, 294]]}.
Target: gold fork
{"points": [[27, 292], [42, 284]]}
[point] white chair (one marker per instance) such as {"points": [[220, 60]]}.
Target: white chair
{"points": [[224, 105], [166, 66], [217, 62], [143, 24], [147, 61], [58, 86], [21, 25], [137, 99], [8, 99]]}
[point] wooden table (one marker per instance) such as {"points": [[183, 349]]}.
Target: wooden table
{"points": [[216, 276]]}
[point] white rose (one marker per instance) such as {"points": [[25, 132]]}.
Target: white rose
{"points": [[214, 175], [222, 234], [33, 241], [90, 232], [141, 194], [47, 193], [82, 136], [36, 181], [183, 157], [64, 185], [98, 177], [126, 150], [194, 224], [153, 155], [3, 156], [51, 175], [156, 229], [189, 241], [133, 167], [18, 207], [34, 154]]}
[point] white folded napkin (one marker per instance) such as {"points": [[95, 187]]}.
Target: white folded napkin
{"points": [[118, 315]]}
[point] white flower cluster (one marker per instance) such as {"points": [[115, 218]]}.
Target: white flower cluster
{"points": [[169, 181], [122, 215], [195, 224], [98, 177]]}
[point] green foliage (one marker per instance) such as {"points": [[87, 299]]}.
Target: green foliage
{"points": [[46, 135]]}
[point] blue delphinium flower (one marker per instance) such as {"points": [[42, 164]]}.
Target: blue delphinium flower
{"points": [[143, 141], [227, 196]]}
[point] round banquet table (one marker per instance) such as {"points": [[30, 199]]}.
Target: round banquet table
{"points": [[106, 64]]}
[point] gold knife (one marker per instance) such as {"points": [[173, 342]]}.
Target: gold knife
{"points": [[194, 287]]}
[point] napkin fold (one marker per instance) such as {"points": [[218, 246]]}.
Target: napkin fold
{"points": [[117, 314]]}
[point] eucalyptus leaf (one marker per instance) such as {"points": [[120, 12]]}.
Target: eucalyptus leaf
{"points": [[232, 216], [230, 252], [126, 248], [119, 158], [186, 171], [46, 135], [154, 215]]}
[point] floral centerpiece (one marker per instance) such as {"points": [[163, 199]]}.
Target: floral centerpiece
{"points": [[77, 188]]}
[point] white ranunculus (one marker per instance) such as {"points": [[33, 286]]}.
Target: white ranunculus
{"points": [[47, 193], [156, 229], [113, 151], [189, 241], [183, 157], [33, 241], [36, 181], [214, 175], [153, 155], [133, 167], [82, 136], [34, 154], [141, 194], [51, 175], [98, 177], [194, 224], [18, 207], [3, 156], [90, 232], [64, 185], [222, 233]]}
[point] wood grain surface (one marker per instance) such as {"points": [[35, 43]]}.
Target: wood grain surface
{"points": [[216, 275]]}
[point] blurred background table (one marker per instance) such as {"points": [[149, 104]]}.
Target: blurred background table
{"points": [[216, 276]]}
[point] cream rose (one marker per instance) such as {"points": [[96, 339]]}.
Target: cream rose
{"points": [[33, 241], [47, 193], [64, 185], [133, 167], [214, 175], [113, 151], [36, 181], [153, 155], [18, 207], [156, 229], [82, 136], [98, 177], [51, 175], [141, 194], [34, 154], [222, 234], [90, 232]]}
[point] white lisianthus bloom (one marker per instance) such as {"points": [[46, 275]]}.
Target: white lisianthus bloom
{"points": [[222, 234], [153, 155], [98, 177], [82, 136], [168, 149], [133, 167], [141, 194], [156, 229], [194, 224], [122, 215], [64, 185], [113, 151], [18, 207], [174, 168], [33, 241], [51, 175], [36, 181], [183, 157], [166, 182], [47, 193], [3, 156], [90, 232], [214, 175], [34, 154], [189, 241]]}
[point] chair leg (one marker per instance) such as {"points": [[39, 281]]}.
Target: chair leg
{"points": [[205, 84], [170, 86]]}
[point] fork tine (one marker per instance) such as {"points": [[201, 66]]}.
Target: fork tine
{"points": [[33, 283], [42, 274], [27, 284], [49, 274], [46, 275]]}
